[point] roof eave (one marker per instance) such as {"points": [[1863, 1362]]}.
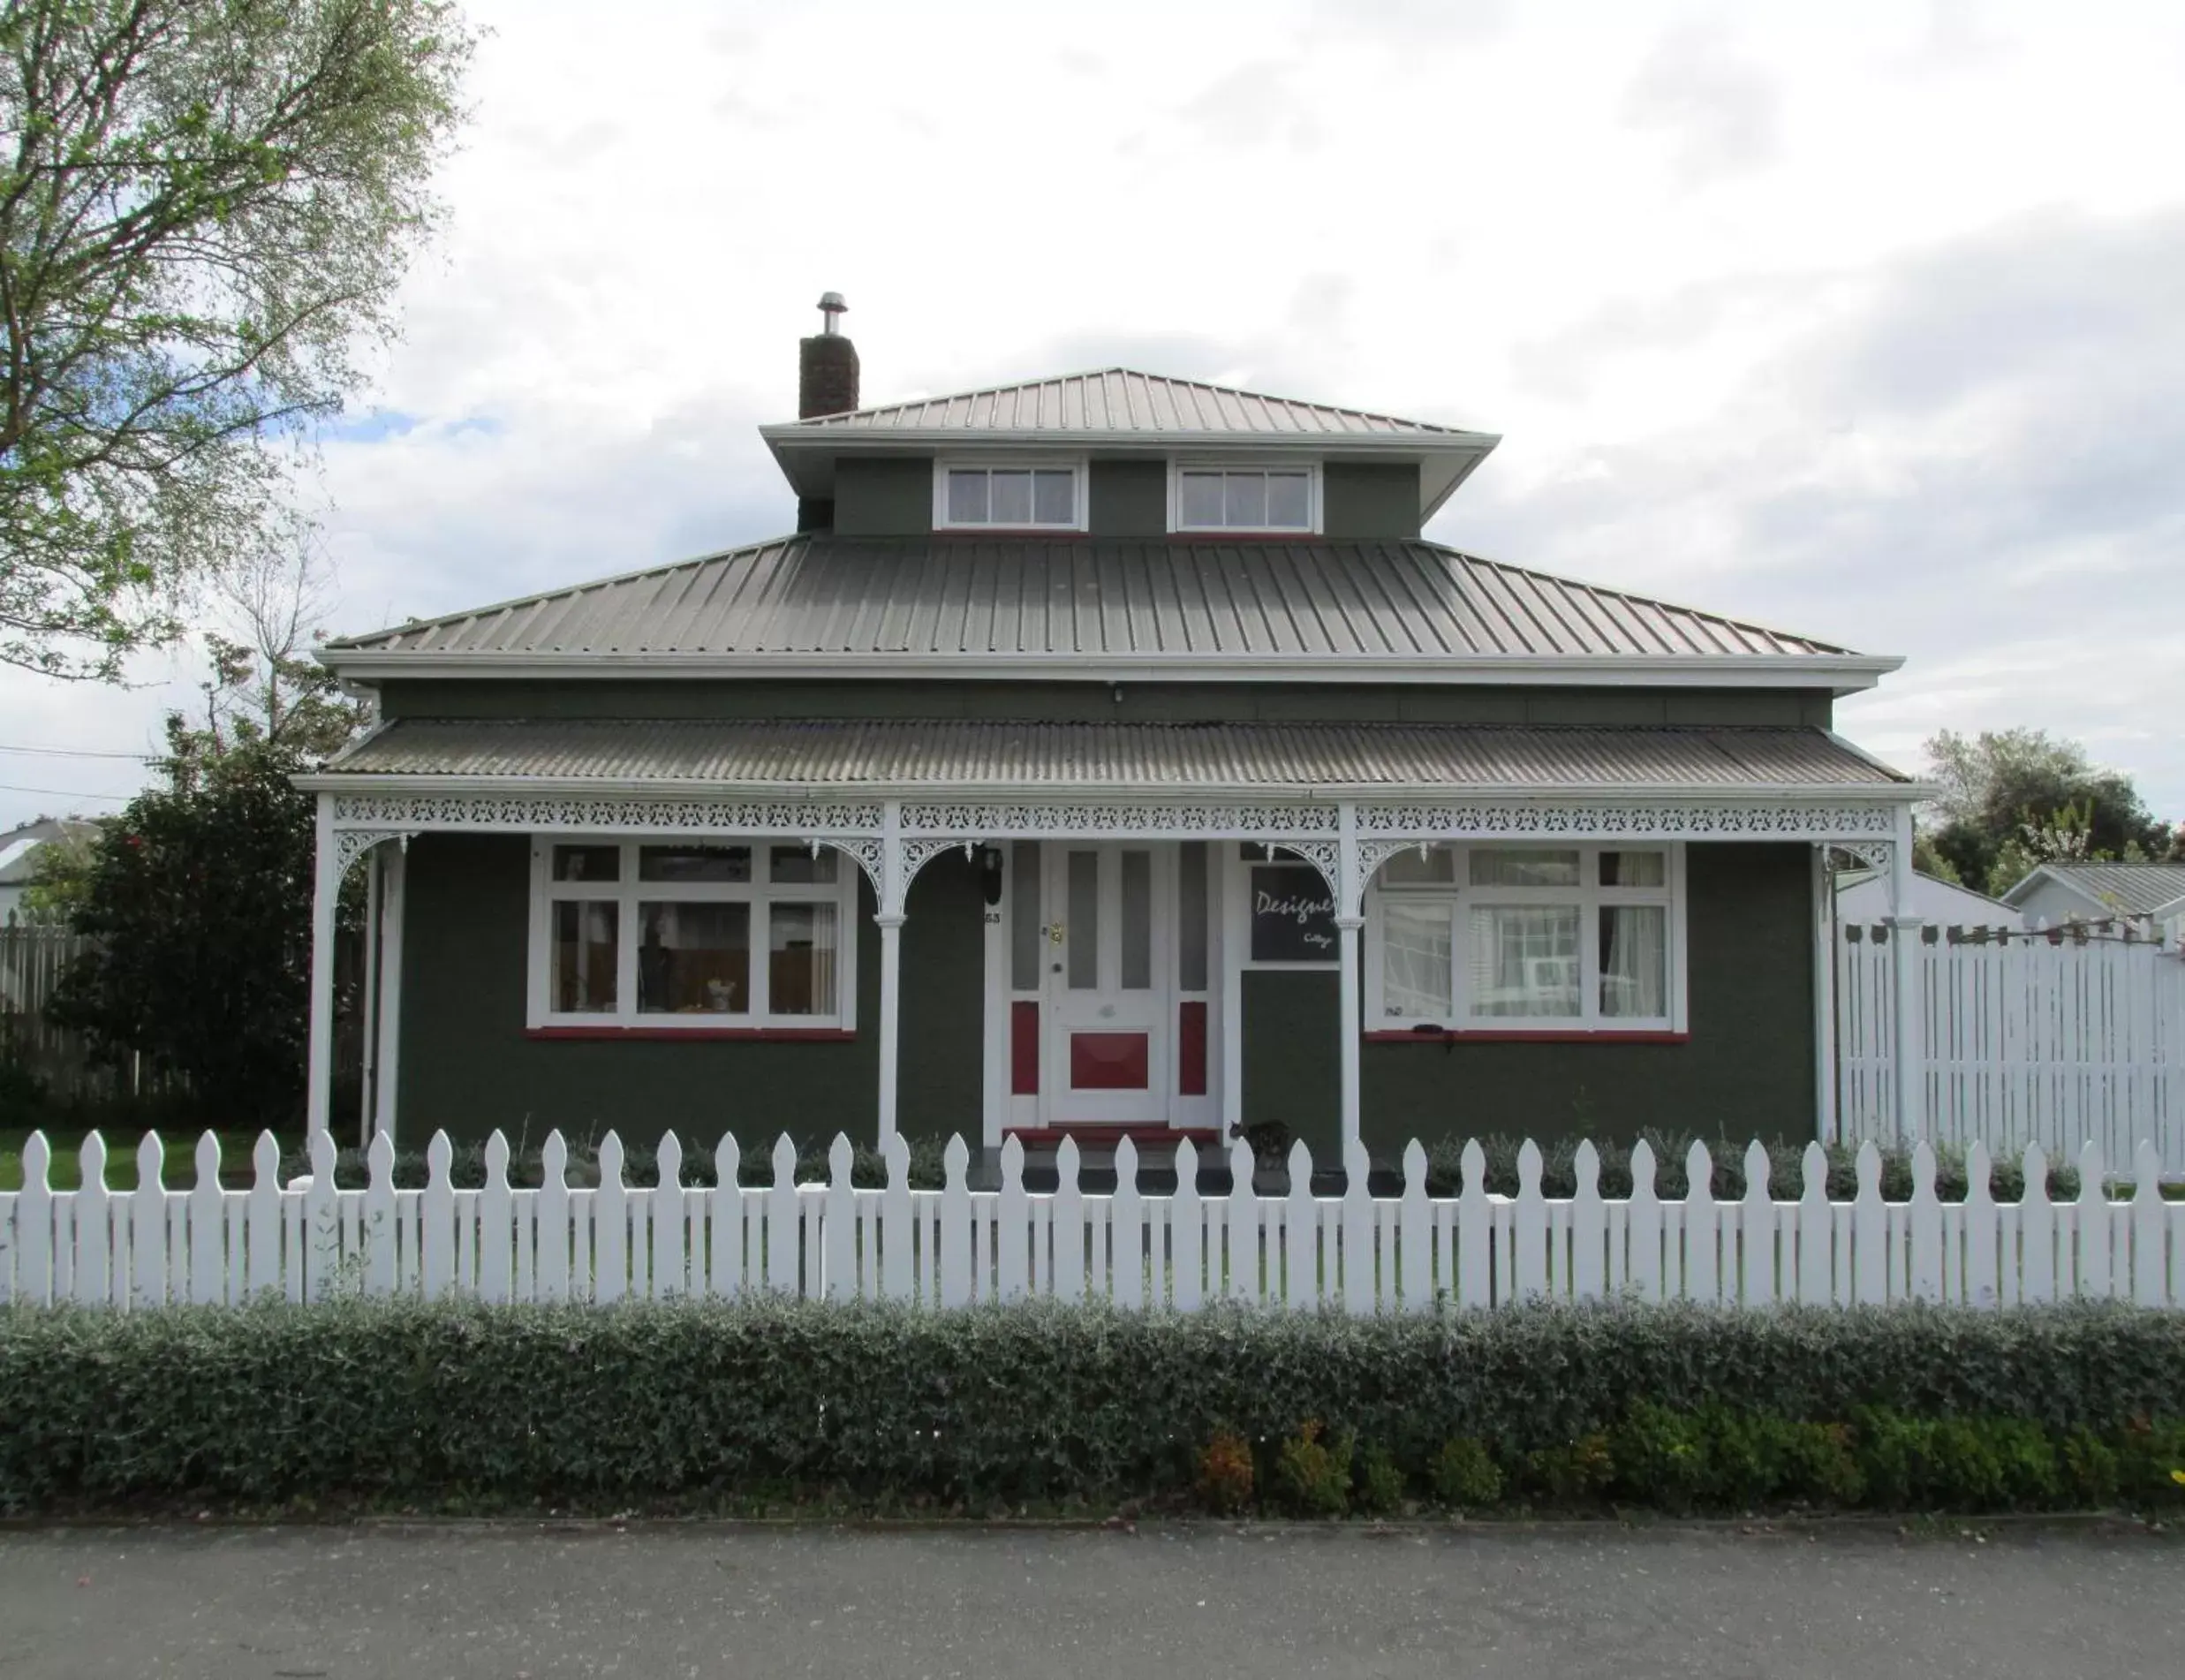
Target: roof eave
{"points": [[330, 781], [1841, 674]]}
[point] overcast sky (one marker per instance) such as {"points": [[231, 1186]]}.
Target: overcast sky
{"points": [[1863, 321]]}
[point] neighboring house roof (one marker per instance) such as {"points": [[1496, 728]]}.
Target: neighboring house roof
{"points": [[1112, 400], [19, 847], [1863, 894], [959, 754], [945, 606], [1119, 408], [2108, 889]]}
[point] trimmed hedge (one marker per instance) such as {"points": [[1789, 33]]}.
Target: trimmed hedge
{"points": [[722, 1405]]}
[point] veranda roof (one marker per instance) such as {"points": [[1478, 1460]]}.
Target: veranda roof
{"points": [[958, 755]]}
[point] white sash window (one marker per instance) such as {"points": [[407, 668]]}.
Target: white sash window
{"points": [[1536, 938], [679, 935]]}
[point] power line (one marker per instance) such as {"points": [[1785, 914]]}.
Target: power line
{"points": [[72, 752], [66, 793]]}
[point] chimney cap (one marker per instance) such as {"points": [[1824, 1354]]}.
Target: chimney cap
{"points": [[831, 307]]}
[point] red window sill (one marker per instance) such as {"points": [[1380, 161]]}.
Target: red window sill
{"points": [[1506, 1035], [767, 1034]]}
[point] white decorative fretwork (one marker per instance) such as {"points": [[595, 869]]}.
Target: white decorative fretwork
{"points": [[604, 813], [1308, 827], [1876, 854], [917, 853], [1077, 820], [1374, 853], [1611, 819], [1326, 856], [870, 855], [351, 843]]}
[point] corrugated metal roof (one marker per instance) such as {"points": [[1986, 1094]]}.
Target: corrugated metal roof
{"points": [[2127, 888], [1121, 399], [961, 599], [954, 752]]}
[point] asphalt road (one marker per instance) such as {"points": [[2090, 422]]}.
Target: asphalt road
{"points": [[343, 1604]]}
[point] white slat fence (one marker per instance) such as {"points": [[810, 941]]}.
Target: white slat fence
{"points": [[311, 1240], [2058, 1040]]}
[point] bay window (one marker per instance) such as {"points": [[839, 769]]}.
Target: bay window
{"points": [[1527, 939], [697, 933]]}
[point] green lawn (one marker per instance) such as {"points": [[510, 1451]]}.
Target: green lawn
{"points": [[179, 1173]]}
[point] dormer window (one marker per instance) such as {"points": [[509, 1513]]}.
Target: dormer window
{"points": [[1244, 498], [1034, 495]]}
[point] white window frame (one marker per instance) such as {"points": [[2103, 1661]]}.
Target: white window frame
{"points": [[1460, 897], [627, 891], [1178, 466], [1080, 489]]}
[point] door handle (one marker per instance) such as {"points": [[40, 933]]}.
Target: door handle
{"points": [[1054, 932]]}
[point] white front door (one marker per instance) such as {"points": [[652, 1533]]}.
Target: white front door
{"points": [[1109, 981]]}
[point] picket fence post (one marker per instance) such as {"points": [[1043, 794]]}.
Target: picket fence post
{"points": [[36, 1225], [1187, 1238], [840, 1223], [1243, 1227], [1071, 1236], [1301, 1283], [1982, 1230], [895, 1232], [1126, 1230], [671, 1269]]}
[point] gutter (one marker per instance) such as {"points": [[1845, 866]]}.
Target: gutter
{"points": [[1843, 673]]}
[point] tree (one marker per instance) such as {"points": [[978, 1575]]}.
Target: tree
{"points": [[206, 206], [2012, 799], [198, 896]]}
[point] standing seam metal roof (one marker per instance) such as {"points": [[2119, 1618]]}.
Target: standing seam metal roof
{"points": [[2132, 889], [950, 752], [964, 597], [1121, 399]]}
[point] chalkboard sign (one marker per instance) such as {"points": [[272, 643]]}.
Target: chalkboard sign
{"points": [[1293, 914]]}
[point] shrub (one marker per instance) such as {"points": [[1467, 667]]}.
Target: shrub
{"points": [[1571, 1472], [703, 1405], [1660, 1457], [2089, 1467], [1312, 1472], [2151, 1461], [1466, 1474], [1225, 1477], [1379, 1488], [1820, 1468]]}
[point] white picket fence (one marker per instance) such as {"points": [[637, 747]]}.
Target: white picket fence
{"points": [[310, 1241], [2057, 1042]]}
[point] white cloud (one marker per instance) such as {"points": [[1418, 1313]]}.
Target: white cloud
{"points": [[1903, 377]]}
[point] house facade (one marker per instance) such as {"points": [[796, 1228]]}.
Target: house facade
{"points": [[1105, 754]]}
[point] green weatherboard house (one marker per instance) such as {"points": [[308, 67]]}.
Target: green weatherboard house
{"points": [[1107, 753]]}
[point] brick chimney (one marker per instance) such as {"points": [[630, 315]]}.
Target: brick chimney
{"points": [[826, 383]]}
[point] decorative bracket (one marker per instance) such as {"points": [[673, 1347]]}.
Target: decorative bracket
{"points": [[351, 843]]}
